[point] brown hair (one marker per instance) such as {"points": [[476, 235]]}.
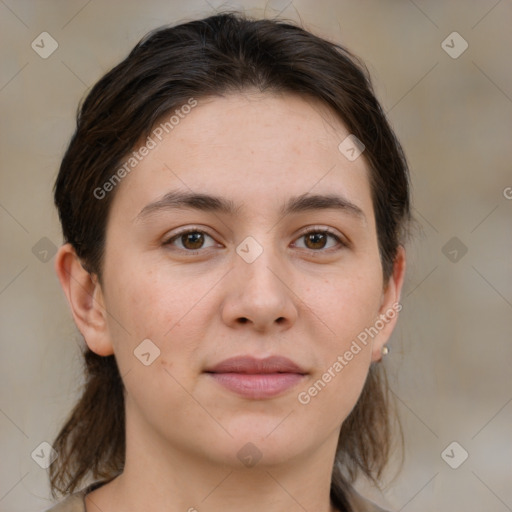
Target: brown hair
{"points": [[214, 56]]}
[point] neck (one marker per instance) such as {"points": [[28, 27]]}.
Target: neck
{"points": [[160, 477]]}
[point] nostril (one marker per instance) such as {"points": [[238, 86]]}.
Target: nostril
{"points": [[244, 320]]}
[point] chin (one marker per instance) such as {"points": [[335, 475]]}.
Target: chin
{"points": [[263, 443]]}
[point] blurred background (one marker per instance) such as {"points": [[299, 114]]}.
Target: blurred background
{"points": [[443, 73]]}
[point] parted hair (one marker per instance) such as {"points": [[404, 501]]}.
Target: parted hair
{"points": [[218, 55]]}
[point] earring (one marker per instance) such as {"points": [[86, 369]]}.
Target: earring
{"points": [[385, 350]]}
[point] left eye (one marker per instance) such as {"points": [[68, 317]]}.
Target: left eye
{"points": [[190, 240], [315, 240], [193, 240]]}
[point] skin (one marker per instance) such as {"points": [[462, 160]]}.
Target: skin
{"points": [[304, 301]]}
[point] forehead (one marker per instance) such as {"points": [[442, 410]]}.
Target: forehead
{"points": [[241, 124], [252, 148]]}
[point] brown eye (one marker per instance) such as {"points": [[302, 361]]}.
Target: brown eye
{"points": [[317, 240], [191, 240]]}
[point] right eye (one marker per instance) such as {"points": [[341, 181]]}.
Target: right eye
{"points": [[191, 240]]}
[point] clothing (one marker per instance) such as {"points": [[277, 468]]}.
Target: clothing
{"points": [[361, 504], [76, 501]]}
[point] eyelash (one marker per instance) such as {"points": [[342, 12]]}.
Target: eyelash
{"points": [[326, 231]]}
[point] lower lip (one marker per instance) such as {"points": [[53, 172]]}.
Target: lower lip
{"points": [[257, 386]]}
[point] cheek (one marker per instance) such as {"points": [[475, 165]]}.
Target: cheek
{"points": [[348, 304], [348, 307], [169, 313], [344, 361]]}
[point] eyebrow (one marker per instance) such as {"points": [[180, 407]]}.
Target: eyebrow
{"points": [[177, 199]]}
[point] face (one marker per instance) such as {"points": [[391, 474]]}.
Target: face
{"points": [[263, 271]]}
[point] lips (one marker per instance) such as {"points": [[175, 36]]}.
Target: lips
{"points": [[257, 378], [251, 365]]}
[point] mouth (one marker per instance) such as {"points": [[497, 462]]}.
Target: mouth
{"points": [[257, 379]]}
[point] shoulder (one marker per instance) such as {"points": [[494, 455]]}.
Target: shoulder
{"points": [[360, 504], [75, 502], [72, 503]]}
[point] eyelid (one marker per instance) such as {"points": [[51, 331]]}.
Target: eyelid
{"points": [[189, 229], [342, 241]]}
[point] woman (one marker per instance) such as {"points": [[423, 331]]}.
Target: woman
{"points": [[234, 206]]}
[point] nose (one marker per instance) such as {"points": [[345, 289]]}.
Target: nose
{"points": [[259, 296]]}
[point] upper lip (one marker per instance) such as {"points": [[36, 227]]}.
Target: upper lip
{"points": [[252, 365]]}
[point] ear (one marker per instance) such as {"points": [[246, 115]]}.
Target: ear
{"points": [[85, 298], [390, 305]]}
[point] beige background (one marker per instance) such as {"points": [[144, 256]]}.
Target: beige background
{"points": [[450, 363]]}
